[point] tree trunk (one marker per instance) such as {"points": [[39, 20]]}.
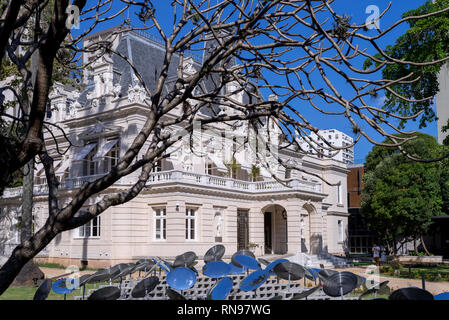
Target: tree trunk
{"points": [[26, 229], [424, 245], [25, 252], [414, 245]]}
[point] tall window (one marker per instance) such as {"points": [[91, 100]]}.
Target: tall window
{"points": [[111, 158], [340, 194], [89, 164], [90, 229], [190, 224], [160, 224], [340, 230]]}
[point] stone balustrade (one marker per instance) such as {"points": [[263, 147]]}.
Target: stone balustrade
{"points": [[176, 176]]}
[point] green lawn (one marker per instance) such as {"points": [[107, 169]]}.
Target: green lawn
{"points": [[436, 273], [27, 293]]}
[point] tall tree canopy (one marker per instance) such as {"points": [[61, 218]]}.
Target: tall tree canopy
{"points": [[426, 40], [401, 196]]}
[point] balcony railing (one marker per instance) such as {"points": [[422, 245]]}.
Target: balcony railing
{"points": [[228, 183], [175, 176]]}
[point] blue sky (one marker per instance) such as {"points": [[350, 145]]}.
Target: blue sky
{"points": [[356, 9]]}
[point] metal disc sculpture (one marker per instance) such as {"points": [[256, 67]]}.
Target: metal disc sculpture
{"points": [[360, 280], [374, 289], [164, 265], [82, 282], [173, 295], [270, 266], [215, 253], [144, 287], [308, 274], [339, 284], [264, 261], [442, 296], [221, 290], [241, 252], [254, 280], [314, 272], [305, 294], [289, 271], [216, 269], [60, 286], [186, 260], [105, 293], [104, 275], [326, 273], [43, 290], [124, 271], [181, 278], [235, 269], [246, 262], [411, 293]]}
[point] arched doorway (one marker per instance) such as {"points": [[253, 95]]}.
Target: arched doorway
{"points": [[275, 229], [315, 243]]}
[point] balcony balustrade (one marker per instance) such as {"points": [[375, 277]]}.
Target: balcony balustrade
{"points": [[176, 176]]}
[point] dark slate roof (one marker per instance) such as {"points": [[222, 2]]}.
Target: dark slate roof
{"points": [[147, 54]]}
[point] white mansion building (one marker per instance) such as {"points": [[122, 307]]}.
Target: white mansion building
{"points": [[192, 201]]}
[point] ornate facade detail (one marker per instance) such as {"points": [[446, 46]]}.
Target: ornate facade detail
{"points": [[136, 93]]}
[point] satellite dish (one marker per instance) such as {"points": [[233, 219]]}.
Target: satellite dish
{"points": [[442, 296], [221, 289], [289, 271], [144, 287], [339, 284], [43, 290], [61, 288], [105, 293], [181, 278], [254, 280], [246, 261], [241, 252], [305, 294], [185, 260], [411, 293], [216, 269], [173, 295], [215, 253]]}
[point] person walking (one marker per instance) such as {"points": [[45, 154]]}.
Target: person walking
{"points": [[376, 254]]}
